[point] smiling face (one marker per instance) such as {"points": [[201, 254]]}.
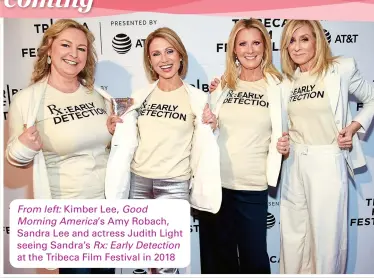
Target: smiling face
{"points": [[69, 53], [302, 47], [164, 58], [249, 48]]}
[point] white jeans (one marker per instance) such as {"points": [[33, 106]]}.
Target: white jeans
{"points": [[313, 211]]}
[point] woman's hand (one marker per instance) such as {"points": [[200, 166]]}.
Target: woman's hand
{"points": [[112, 122], [213, 85], [209, 117], [283, 145], [346, 135], [31, 138]]}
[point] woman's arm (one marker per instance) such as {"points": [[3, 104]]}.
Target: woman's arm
{"points": [[364, 92], [23, 143]]}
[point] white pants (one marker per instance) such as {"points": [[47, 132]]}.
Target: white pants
{"points": [[313, 211]]}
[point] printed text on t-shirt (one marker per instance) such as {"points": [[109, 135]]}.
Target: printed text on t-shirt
{"points": [[305, 92], [74, 112], [246, 98], [169, 111]]}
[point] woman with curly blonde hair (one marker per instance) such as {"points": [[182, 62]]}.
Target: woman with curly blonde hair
{"points": [[59, 121]]}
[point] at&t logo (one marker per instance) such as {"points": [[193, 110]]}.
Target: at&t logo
{"points": [[328, 35], [121, 43], [342, 38], [270, 221]]}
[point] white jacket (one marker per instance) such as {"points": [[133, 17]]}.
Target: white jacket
{"points": [[274, 158], [25, 104], [206, 192], [341, 79]]}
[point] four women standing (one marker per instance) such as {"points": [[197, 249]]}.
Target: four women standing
{"points": [[225, 176]]}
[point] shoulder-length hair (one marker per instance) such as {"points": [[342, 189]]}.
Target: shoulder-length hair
{"points": [[42, 68], [172, 37], [323, 57], [231, 72]]}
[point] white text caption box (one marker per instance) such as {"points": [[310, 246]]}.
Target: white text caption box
{"points": [[100, 233]]}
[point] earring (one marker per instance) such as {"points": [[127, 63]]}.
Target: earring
{"points": [[237, 63], [49, 61]]}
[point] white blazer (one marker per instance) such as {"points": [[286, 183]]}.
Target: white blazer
{"points": [[206, 191], [341, 79], [274, 158], [25, 105]]}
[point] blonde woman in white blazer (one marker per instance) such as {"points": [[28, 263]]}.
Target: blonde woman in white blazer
{"points": [[164, 145], [324, 149], [247, 104], [67, 145]]}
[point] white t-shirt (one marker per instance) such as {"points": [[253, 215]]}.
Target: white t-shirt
{"points": [[165, 130], [75, 139], [310, 114], [245, 131]]}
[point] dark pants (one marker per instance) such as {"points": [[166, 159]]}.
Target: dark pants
{"points": [[209, 242], [234, 240], [87, 271]]}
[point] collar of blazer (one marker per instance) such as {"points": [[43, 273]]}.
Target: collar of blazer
{"points": [[219, 94], [331, 80]]}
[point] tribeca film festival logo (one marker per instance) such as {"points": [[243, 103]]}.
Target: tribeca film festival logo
{"points": [[342, 38], [269, 23], [194, 227], [8, 94], [83, 7], [365, 221], [274, 260], [359, 105], [32, 52]]}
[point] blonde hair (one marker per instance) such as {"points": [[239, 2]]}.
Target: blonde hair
{"points": [[323, 57], [172, 37], [231, 73], [42, 68]]}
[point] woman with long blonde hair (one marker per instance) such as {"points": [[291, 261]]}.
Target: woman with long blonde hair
{"points": [[247, 104], [324, 149], [59, 121]]}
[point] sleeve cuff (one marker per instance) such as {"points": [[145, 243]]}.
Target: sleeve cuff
{"points": [[364, 124], [21, 153]]}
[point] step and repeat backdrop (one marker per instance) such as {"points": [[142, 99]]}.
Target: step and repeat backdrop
{"points": [[120, 72]]}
